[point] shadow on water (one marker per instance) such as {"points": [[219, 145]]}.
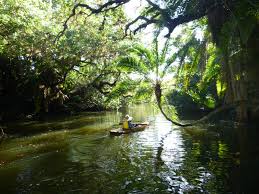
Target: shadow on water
{"points": [[161, 159], [92, 121]]}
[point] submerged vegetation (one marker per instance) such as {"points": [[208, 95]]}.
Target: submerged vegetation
{"points": [[58, 56]]}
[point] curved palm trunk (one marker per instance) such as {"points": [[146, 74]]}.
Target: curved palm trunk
{"points": [[158, 94]]}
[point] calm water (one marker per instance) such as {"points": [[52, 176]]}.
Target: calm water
{"points": [[77, 155]]}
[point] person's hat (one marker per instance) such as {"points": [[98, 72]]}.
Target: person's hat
{"points": [[129, 118]]}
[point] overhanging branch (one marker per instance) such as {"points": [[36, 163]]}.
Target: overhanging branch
{"points": [[164, 15], [110, 5], [147, 21]]}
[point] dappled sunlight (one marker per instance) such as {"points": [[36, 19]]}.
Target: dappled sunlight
{"points": [[174, 151], [84, 121], [18, 148]]}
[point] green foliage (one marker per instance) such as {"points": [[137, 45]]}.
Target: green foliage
{"points": [[82, 58], [199, 67], [170, 109], [93, 63], [151, 65], [132, 63], [144, 92], [124, 89]]}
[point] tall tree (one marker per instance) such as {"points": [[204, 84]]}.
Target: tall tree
{"points": [[152, 64], [231, 32], [37, 68]]}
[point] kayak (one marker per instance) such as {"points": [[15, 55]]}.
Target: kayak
{"points": [[138, 127]]}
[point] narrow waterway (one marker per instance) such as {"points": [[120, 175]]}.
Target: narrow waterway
{"points": [[77, 155]]}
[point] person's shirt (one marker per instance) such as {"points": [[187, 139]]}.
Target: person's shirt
{"points": [[125, 124]]}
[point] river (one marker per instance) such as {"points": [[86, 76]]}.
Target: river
{"points": [[77, 155]]}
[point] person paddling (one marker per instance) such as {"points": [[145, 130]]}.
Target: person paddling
{"points": [[127, 122]]}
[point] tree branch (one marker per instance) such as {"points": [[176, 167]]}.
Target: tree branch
{"points": [[102, 8], [166, 19], [158, 94], [202, 9], [148, 21], [181, 19]]}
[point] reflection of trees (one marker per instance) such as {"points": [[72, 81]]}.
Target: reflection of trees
{"points": [[207, 164], [96, 121], [158, 159], [247, 173]]}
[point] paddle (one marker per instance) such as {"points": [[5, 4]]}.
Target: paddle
{"points": [[144, 123]]}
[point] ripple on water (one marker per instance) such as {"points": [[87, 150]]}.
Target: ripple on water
{"points": [[156, 160]]}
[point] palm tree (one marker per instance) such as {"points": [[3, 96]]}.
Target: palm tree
{"points": [[153, 64]]}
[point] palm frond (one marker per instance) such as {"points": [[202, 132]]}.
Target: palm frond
{"points": [[169, 62], [132, 63], [145, 54], [164, 51]]}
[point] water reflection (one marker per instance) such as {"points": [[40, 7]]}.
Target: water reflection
{"points": [[81, 157]]}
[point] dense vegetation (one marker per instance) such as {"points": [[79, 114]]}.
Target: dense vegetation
{"points": [[57, 56], [39, 72]]}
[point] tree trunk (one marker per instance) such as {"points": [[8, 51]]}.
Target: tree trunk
{"points": [[236, 88], [158, 94], [252, 73]]}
